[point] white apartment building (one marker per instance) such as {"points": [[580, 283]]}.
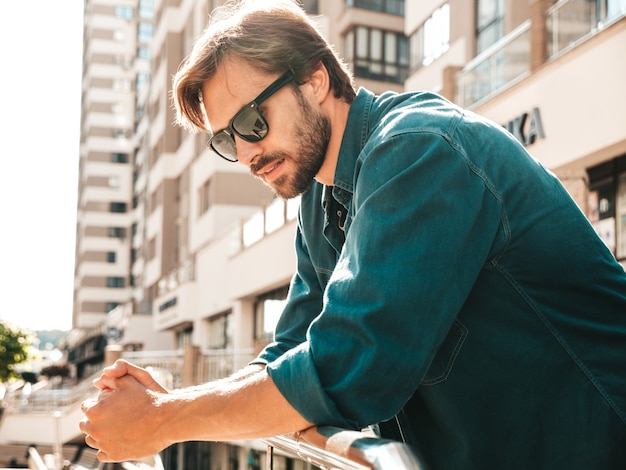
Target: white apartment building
{"points": [[197, 252]]}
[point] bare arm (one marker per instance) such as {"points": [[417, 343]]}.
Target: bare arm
{"points": [[135, 417]]}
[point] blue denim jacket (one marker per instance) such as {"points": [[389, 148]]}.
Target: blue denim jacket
{"points": [[448, 287]]}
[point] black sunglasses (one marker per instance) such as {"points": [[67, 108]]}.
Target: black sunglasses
{"points": [[248, 123]]}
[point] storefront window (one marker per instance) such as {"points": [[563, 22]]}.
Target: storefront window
{"points": [[607, 204], [621, 216]]}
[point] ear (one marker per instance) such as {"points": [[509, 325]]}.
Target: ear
{"points": [[319, 82]]}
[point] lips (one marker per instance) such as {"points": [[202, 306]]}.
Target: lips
{"points": [[266, 171]]}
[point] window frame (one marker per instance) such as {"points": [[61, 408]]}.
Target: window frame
{"points": [[369, 50], [496, 21]]}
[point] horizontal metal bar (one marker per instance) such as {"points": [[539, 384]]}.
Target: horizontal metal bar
{"points": [[336, 448]]}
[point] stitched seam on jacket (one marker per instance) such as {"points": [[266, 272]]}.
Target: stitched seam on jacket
{"points": [[570, 352], [489, 185]]}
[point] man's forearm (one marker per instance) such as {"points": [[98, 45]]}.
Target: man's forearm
{"points": [[134, 417], [244, 406]]}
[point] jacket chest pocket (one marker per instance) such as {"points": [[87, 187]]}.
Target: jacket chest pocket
{"points": [[444, 359]]}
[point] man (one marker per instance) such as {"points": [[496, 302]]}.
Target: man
{"points": [[447, 287]]}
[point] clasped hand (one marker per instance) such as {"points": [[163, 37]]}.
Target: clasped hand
{"points": [[121, 423]]}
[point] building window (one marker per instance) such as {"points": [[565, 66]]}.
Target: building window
{"points": [[144, 33], [151, 249], [111, 257], [146, 9], [117, 232], [489, 23], [119, 157], [124, 11], [184, 338], [142, 80], [431, 39], [122, 84], [115, 282], [110, 306], [118, 207], [395, 7], [204, 197], [143, 53], [120, 134], [607, 204], [267, 310], [220, 331], [378, 54], [310, 6]]}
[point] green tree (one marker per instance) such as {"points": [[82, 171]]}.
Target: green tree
{"points": [[14, 345]]}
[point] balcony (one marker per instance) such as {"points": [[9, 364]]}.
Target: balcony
{"points": [[264, 222], [571, 22], [496, 69], [175, 292]]}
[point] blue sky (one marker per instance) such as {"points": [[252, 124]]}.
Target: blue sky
{"points": [[41, 49]]}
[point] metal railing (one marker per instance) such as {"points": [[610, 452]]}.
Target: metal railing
{"points": [[35, 461], [335, 448], [215, 364], [166, 365], [497, 68], [48, 400]]}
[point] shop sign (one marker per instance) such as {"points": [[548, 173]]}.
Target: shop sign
{"points": [[527, 127]]}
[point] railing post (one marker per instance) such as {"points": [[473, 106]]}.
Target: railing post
{"points": [[449, 89], [191, 355], [112, 353], [269, 464]]}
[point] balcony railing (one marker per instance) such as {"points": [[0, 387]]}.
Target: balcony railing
{"points": [[167, 366], [217, 364], [264, 222], [183, 274], [497, 68], [334, 448], [570, 22], [28, 399]]}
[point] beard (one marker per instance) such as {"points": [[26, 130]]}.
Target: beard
{"points": [[312, 138]]}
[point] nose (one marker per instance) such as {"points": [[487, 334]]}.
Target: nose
{"points": [[248, 152]]}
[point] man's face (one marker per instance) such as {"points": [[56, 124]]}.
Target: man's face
{"points": [[291, 154]]}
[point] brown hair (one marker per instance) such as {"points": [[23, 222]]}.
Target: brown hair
{"points": [[271, 35]]}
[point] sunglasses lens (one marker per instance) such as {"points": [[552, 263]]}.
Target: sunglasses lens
{"points": [[224, 144], [250, 124]]}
